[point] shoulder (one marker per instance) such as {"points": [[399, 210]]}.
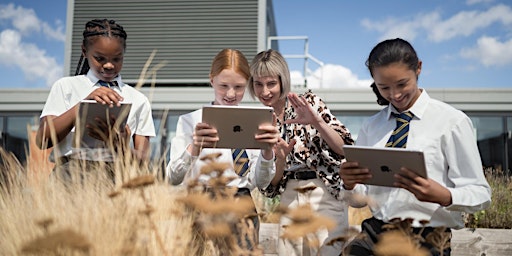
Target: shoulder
{"points": [[437, 106], [194, 116], [70, 81], [134, 94], [379, 117]]}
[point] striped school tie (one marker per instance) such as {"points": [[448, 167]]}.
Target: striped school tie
{"points": [[398, 138], [107, 84], [240, 161]]}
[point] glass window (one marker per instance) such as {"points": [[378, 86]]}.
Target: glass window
{"points": [[491, 144], [16, 136]]}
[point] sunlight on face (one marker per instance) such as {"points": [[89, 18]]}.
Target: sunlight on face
{"points": [[398, 84], [267, 89], [229, 87], [105, 57]]}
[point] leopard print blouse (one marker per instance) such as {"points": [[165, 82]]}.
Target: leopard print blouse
{"points": [[311, 150]]}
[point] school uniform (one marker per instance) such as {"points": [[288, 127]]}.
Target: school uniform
{"points": [[69, 91], [183, 167], [446, 136]]}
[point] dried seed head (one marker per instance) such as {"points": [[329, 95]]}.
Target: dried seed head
{"points": [[45, 223], [395, 243], [114, 193], [215, 168], [305, 189], [60, 239], [211, 157], [140, 181]]}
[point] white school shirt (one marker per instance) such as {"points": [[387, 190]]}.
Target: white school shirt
{"points": [[446, 135], [184, 167], [69, 91]]}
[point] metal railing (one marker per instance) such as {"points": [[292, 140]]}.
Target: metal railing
{"points": [[305, 56]]}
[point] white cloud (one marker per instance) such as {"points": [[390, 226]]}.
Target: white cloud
{"points": [[467, 22], [330, 76], [33, 61], [472, 2], [26, 22], [16, 51], [490, 52], [464, 23]]}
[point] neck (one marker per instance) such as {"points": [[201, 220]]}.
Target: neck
{"points": [[279, 107]]}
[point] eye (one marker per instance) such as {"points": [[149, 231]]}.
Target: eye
{"points": [[118, 59], [99, 58], [272, 84]]}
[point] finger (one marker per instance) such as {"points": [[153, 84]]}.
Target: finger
{"points": [[291, 144], [293, 99]]}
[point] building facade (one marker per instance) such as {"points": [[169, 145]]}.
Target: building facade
{"points": [[489, 109], [183, 36]]}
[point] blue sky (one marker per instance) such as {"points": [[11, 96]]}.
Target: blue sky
{"points": [[463, 44]]}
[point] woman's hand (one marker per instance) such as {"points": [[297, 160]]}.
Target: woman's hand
{"points": [[305, 112], [426, 190], [352, 174]]}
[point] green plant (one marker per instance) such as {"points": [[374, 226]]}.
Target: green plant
{"points": [[499, 213]]}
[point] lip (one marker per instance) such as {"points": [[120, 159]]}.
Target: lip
{"points": [[230, 102], [108, 75]]}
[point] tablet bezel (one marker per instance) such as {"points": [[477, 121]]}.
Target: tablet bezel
{"points": [[392, 159]]}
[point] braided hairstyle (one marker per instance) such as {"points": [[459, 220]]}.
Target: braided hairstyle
{"points": [[94, 28]]}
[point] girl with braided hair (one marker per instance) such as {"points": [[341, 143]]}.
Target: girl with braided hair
{"points": [[97, 78]]}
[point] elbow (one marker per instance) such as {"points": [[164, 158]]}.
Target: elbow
{"points": [[42, 143]]}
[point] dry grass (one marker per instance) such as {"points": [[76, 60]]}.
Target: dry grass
{"points": [[137, 217]]}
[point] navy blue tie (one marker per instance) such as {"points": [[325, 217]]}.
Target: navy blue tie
{"points": [[107, 84], [240, 161], [398, 138]]}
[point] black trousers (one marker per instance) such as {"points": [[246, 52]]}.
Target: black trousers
{"points": [[372, 229]]}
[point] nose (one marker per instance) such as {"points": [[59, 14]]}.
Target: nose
{"points": [[108, 65], [231, 93], [396, 93], [265, 91]]}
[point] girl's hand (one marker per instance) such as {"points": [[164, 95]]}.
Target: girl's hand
{"points": [[204, 136], [268, 133], [426, 190], [105, 96], [352, 174]]}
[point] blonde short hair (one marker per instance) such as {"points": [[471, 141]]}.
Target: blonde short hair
{"points": [[270, 63]]}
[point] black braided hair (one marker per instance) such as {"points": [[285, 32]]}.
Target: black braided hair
{"points": [[98, 27]]}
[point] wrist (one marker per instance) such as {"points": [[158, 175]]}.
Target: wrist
{"points": [[348, 187]]}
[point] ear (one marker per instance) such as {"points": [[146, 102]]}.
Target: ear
{"points": [[211, 81], [418, 71], [84, 51]]}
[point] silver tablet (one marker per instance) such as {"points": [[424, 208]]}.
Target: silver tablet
{"points": [[90, 111], [237, 125], [383, 163]]}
